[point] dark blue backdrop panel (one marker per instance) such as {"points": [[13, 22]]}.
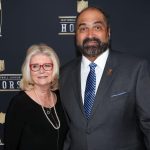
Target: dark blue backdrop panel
{"points": [[28, 22]]}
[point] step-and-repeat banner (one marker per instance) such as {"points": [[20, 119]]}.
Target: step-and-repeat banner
{"points": [[27, 22]]}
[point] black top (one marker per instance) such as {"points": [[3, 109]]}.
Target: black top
{"points": [[27, 128]]}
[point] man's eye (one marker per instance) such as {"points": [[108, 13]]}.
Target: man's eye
{"points": [[98, 28], [82, 29]]}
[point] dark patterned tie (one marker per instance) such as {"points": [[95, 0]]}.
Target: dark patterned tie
{"points": [[90, 91]]}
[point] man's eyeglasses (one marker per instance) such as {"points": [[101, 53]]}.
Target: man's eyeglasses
{"points": [[37, 67]]}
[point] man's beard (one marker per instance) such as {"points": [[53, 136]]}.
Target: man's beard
{"points": [[93, 50]]}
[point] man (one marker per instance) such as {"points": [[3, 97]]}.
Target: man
{"points": [[118, 115]]}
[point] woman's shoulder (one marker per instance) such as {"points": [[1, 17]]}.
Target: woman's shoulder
{"points": [[18, 100], [19, 96], [16, 103]]}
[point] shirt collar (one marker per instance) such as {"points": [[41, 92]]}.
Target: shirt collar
{"points": [[100, 60]]}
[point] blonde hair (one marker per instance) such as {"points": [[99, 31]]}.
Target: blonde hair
{"points": [[26, 82]]}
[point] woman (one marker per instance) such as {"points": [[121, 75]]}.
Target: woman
{"points": [[35, 118]]}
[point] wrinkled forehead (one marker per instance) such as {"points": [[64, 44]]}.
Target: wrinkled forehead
{"points": [[90, 15]]}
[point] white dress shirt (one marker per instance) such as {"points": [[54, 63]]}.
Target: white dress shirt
{"points": [[85, 69]]}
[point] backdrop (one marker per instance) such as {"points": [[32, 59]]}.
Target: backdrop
{"points": [[27, 22]]}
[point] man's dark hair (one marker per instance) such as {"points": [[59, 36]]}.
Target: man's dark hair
{"points": [[106, 17]]}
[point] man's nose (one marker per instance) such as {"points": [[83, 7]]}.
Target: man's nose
{"points": [[90, 33]]}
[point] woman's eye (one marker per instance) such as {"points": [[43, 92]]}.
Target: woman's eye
{"points": [[35, 66]]}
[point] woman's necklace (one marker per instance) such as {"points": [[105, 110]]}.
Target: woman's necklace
{"points": [[57, 123]]}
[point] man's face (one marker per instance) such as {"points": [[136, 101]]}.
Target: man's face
{"points": [[92, 33]]}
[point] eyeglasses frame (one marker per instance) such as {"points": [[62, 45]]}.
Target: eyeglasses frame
{"points": [[41, 66]]}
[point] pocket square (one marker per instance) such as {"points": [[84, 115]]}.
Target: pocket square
{"points": [[118, 94]]}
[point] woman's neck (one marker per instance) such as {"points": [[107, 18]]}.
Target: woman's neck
{"points": [[45, 97]]}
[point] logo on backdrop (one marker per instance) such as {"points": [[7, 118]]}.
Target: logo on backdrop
{"points": [[1, 143], [81, 4], [10, 82], [2, 118], [2, 65], [2, 121], [67, 23]]}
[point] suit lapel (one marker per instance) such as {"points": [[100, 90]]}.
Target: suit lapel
{"points": [[76, 84], [106, 80]]}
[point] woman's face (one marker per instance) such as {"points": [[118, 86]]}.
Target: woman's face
{"points": [[41, 69]]}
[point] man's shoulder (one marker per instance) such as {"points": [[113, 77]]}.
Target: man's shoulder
{"points": [[127, 61], [125, 56]]}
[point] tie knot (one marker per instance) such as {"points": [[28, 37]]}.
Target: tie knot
{"points": [[92, 65]]}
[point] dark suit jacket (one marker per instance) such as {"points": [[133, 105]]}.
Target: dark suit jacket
{"points": [[120, 118]]}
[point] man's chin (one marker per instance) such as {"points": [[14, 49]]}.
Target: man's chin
{"points": [[91, 49], [91, 53], [91, 44]]}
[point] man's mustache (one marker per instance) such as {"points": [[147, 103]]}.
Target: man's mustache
{"points": [[91, 40]]}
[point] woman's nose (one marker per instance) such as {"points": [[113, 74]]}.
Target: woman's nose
{"points": [[41, 69]]}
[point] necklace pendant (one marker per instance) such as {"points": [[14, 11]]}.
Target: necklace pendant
{"points": [[48, 112]]}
